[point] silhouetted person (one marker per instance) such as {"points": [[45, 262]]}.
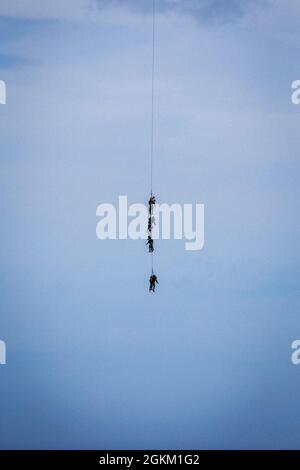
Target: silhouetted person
{"points": [[153, 281], [150, 244], [151, 222], [152, 203]]}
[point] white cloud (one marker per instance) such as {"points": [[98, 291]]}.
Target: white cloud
{"points": [[54, 9], [280, 14]]}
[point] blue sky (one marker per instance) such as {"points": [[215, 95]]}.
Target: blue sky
{"points": [[93, 360]]}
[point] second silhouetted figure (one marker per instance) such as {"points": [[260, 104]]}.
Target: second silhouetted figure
{"points": [[150, 244]]}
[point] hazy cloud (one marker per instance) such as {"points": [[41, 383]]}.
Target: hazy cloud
{"points": [[35, 9], [202, 10]]}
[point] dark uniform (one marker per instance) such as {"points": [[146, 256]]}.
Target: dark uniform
{"points": [[152, 203], [150, 244], [153, 281]]}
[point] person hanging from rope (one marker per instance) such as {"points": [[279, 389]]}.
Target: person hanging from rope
{"points": [[151, 222], [150, 244], [153, 281], [151, 219], [152, 203]]}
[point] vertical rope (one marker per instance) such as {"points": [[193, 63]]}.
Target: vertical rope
{"points": [[152, 98], [152, 109], [151, 263]]}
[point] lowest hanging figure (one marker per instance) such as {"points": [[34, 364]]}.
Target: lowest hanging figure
{"points": [[153, 281], [150, 242]]}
